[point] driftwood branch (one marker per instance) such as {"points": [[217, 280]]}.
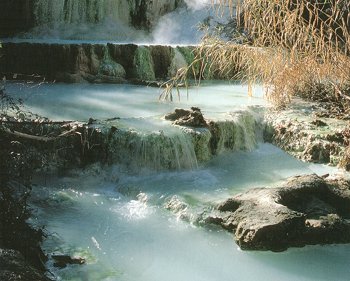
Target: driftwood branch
{"points": [[38, 138], [35, 122]]}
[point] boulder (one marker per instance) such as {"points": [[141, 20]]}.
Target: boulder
{"points": [[62, 261], [305, 210], [191, 118]]}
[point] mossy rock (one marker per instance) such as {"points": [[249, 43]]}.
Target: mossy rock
{"points": [[143, 64], [187, 52], [112, 69], [162, 59]]}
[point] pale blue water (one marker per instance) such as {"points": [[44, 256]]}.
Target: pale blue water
{"points": [[81, 101], [117, 220], [130, 236]]}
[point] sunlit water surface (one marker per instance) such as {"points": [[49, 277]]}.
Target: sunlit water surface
{"points": [[117, 221], [81, 101]]}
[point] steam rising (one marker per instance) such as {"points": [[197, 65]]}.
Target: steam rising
{"points": [[197, 4]]}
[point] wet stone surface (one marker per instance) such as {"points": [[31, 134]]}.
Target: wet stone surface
{"points": [[302, 133], [305, 210]]}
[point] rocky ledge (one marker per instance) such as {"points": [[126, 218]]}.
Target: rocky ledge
{"points": [[307, 132], [305, 210], [95, 63]]}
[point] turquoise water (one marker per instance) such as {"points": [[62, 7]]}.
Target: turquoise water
{"points": [[81, 101], [117, 220]]}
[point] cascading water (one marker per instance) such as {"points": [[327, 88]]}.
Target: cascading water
{"points": [[148, 142], [121, 21], [241, 131], [119, 223], [157, 150], [78, 20], [69, 11]]}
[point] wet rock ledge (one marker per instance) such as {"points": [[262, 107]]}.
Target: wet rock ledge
{"points": [[94, 63], [305, 210], [306, 131]]}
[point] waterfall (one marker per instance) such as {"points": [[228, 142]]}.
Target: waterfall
{"points": [[240, 131], [157, 150], [179, 147], [73, 11], [121, 20]]}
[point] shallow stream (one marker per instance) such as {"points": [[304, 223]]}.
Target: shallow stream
{"points": [[118, 222]]}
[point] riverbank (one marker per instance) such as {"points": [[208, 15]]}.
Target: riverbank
{"points": [[307, 132], [21, 256]]}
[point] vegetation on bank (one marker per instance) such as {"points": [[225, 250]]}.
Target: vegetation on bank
{"points": [[31, 143], [293, 47], [17, 164]]}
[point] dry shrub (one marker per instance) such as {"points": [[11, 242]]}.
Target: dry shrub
{"points": [[288, 45], [291, 45]]}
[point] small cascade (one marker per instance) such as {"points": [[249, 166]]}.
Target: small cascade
{"points": [[79, 20], [135, 12], [240, 131], [162, 150], [118, 21], [181, 147]]}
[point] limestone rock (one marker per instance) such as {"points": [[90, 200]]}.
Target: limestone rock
{"points": [[295, 130], [191, 118], [112, 69], [95, 63], [162, 57], [178, 207], [62, 261], [305, 210]]}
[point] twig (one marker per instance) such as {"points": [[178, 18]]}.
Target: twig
{"points": [[35, 122], [38, 138]]}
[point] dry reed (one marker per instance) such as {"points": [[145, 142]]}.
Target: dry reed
{"points": [[288, 45]]}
